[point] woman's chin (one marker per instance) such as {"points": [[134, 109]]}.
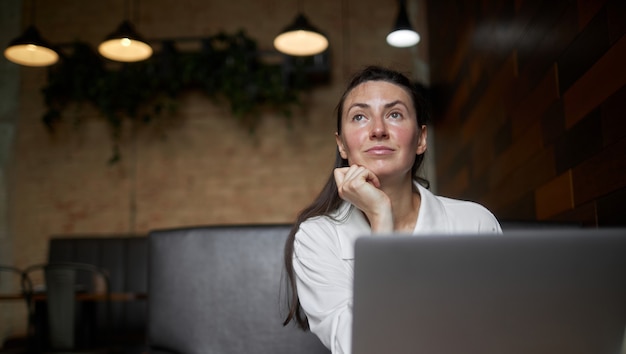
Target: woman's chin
{"points": [[385, 173]]}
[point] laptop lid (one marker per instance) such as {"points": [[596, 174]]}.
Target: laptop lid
{"points": [[539, 292]]}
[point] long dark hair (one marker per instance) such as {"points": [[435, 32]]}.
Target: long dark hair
{"points": [[328, 199]]}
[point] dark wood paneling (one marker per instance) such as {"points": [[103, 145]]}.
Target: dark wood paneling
{"points": [[584, 51], [452, 35], [549, 35], [458, 101], [554, 197], [496, 96], [614, 117], [579, 143], [496, 34], [603, 79], [536, 171], [503, 138], [458, 62], [520, 209], [585, 215], [533, 106], [600, 175], [447, 178], [553, 123], [456, 183], [587, 9], [616, 13], [541, 87], [612, 209], [476, 94], [446, 146], [520, 152]]}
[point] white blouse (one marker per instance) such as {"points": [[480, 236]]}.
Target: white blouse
{"points": [[323, 258]]}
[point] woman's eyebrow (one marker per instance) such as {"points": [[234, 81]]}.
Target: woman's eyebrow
{"points": [[387, 105], [391, 104], [359, 105]]}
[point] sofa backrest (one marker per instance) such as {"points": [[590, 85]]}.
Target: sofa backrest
{"points": [[217, 289]]}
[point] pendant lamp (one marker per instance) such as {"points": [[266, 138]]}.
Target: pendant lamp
{"points": [[125, 45], [403, 35], [30, 49], [301, 39]]}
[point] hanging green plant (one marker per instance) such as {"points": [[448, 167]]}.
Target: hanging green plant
{"points": [[227, 68]]}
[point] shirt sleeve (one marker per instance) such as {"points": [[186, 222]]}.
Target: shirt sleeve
{"points": [[487, 222], [324, 283], [470, 217]]}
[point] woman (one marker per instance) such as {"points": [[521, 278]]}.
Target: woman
{"points": [[381, 140]]}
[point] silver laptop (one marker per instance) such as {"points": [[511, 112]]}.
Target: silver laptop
{"points": [[524, 292]]}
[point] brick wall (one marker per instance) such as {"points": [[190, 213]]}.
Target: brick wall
{"points": [[206, 169], [530, 102]]}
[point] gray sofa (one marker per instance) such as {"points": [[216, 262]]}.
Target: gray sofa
{"points": [[211, 288], [218, 290]]}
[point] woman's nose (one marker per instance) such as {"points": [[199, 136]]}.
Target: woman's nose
{"points": [[379, 129]]}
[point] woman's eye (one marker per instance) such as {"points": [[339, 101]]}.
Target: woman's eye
{"points": [[395, 115], [358, 117]]}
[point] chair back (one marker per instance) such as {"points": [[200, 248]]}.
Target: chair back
{"points": [[69, 292], [217, 290], [13, 283], [14, 287]]}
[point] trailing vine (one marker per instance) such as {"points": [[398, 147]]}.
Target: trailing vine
{"points": [[228, 69]]}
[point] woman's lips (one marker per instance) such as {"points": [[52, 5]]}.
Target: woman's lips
{"points": [[379, 150]]}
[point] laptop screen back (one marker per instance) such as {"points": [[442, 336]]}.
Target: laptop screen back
{"points": [[540, 292]]}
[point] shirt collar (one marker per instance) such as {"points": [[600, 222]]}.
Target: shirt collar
{"points": [[351, 223], [432, 215]]}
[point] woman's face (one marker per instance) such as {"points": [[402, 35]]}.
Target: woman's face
{"points": [[379, 129]]}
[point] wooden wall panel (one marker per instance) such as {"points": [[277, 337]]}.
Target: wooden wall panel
{"points": [[614, 117], [616, 17], [611, 210], [541, 91], [603, 79], [554, 197], [600, 175], [552, 29], [534, 172], [520, 151], [586, 10], [553, 123], [495, 96], [580, 142], [585, 215], [589, 46], [536, 103]]}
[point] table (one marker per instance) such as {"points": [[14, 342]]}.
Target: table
{"points": [[87, 304], [8, 297], [114, 297]]}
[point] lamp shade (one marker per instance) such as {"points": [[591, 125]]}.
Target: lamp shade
{"points": [[125, 45], [30, 49], [300, 39], [403, 35]]}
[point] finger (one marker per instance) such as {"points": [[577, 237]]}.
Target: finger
{"points": [[340, 175], [373, 179], [362, 173], [353, 172]]}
